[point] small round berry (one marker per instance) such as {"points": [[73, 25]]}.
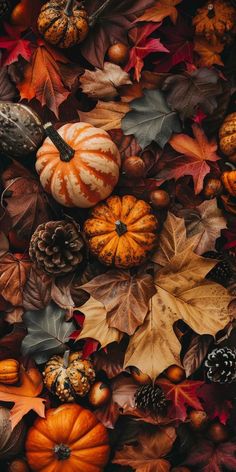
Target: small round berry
{"points": [[159, 199], [118, 53], [218, 433], [140, 377], [134, 167], [198, 419], [175, 374]]}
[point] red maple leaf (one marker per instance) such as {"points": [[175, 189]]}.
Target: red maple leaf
{"points": [[217, 400], [209, 457], [181, 395], [143, 46], [14, 46]]}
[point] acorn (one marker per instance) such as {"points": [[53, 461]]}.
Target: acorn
{"points": [[212, 188], [140, 377], [159, 199], [118, 53], [134, 167], [99, 394], [198, 419], [218, 433], [175, 374]]}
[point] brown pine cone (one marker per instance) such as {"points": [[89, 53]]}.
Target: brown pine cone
{"points": [[56, 246]]}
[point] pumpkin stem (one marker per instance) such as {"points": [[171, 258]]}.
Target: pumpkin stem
{"points": [[211, 11], [62, 452], [66, 359], [93, 18], [66, 152], [69, 7], [121, 227]]}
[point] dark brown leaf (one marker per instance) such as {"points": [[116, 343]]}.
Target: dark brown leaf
{"points": [[196, 353], [14, 272], [10, 345], [37, 291]]}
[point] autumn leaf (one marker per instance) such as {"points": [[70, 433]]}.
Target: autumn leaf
{"points": [[106, 115], [104, 83], [209, 457], [196, 353], [96, 325], [207, 221], [181, 396], [14, 46], [188, 91], [209, 52], [110, 361], [27, 204], [217, 400], [127, 145], [150, 119], [124, 296], [10, 345], [149, 455], [37, 290], [25, 396], [182, 293], [161, 10], [195, 153], [14, 272], [48, 78], [142, 47], [111, 26]]}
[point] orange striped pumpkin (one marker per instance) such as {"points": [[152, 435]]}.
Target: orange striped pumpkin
{"points": [[78, 164]]}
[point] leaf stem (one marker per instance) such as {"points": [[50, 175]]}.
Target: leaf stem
{"points": [[93, 18], [66, 359], [69, 7], [66, 151]]}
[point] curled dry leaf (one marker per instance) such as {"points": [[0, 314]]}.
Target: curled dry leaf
{"points": [[105, 115], [161, 10], [196, 353], [124, 296], [14, 272], [149, 455], [24, 396], [104, 83]]}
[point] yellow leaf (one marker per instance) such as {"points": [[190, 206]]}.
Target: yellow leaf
{"points": [[209, 52], [106, 115]]}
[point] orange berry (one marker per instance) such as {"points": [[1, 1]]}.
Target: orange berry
{"points": [[134, 167], [175, 374], [118, 53], [159, 199], [139, 376], [99, 394]]}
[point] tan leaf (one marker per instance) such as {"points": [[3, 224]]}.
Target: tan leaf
{"points": [[182, 293], [13, 275], [161, 10], [103, 83], [149, 455], [96, 326], [124, 296], [209, 52], [106, 115], [14, 316]]}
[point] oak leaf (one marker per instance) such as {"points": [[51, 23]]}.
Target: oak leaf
{"points": [[194, 155], [208, 51], [25, 396], [106, 115], [182, 293], [104, 83], [181, 396], [161, 10], [13, 276], [209, 457], [124, 296], [47, 78], [149, 455]]}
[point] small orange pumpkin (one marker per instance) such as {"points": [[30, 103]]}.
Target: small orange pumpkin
{"points": [[229, 181], [9, 371], [214, 19], [70, 438], [227, 136], [78, 164], [121, 231], [63, 23]]}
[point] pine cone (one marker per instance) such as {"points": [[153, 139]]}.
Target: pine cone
{"points": [[151, 399], [222, 271], [56, 246], [221, 365]]}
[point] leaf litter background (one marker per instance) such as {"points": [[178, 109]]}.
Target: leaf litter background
{"points": [[169, 99]]}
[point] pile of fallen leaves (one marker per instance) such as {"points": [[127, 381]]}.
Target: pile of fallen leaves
{"points": [[165, 104]]}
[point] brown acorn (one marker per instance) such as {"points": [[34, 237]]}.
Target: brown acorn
{"points": [[134, 167], [212, 188], [140, 377], [99, 394], [218, 433], [118, 53], [159, 199], [175, 374], [198, 419]]}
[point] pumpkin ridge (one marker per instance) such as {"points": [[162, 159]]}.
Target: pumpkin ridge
{"points": [[105, 154], [48, 26], [92, 195], [106, 178]]}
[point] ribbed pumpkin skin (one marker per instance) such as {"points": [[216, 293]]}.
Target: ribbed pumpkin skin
{"points": [[229, 181], [9, 371], [72, 426], [131, 248], [60, 29], [91, 174], [227, 136]]}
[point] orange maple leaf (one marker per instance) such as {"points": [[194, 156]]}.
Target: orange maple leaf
{"points": [[161, 10], [25, 396]]}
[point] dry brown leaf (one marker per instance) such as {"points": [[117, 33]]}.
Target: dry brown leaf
{"points": [[124, 296], [106, 115], [14, 315], [161, 10], [209, 52], [149, 455], [37, 290], [111, 361], [4, 244], [104, 83], [13, 275], [95, 324]]}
